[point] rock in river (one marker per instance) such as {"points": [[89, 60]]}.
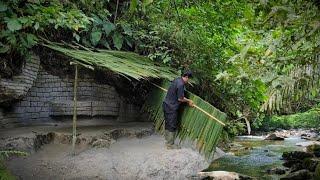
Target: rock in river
{"points": [[274, 136], [298, 175], [223, 175]]}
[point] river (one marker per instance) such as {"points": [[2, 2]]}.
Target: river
{"points": [[253, 156]]}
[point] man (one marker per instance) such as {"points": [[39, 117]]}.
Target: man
{"points": [[174, 97]]}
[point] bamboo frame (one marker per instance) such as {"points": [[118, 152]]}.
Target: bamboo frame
{"points": [[74, 119]]}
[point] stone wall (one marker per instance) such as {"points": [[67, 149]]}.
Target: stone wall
{"points": [[50, 99], [18, 86]]}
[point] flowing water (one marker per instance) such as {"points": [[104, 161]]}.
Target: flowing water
{"points": [[255, 156]]}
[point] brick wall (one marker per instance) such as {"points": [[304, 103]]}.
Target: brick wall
{"points": [[50, 99]]}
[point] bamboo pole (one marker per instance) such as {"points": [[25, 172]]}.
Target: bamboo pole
{"points": [[197, 107], [74, 119]]}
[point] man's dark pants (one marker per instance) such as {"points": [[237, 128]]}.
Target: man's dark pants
{"points": [[171, 118]]}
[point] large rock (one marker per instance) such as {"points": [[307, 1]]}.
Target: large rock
{"points": [[317, 172], [309, 136], [274, 136], [296, 155], [277, 170], [223, 175], [295, 159], [298, 175], [315, 149]]}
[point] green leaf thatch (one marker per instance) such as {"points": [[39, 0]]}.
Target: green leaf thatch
{"points": [[194, 124], [124, 63]]}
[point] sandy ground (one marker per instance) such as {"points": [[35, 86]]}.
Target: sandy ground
{"points": [[128, 158]]}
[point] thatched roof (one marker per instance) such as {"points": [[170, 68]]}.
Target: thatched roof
{"points": [[126, 64]]}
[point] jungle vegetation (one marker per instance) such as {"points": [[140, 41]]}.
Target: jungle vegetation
{"points": [[251, 59]]}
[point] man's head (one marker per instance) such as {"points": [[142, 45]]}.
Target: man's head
{"points": [[186, 75]]}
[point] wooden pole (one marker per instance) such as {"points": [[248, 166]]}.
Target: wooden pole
{"points": [[197, 107], [74, 119]]}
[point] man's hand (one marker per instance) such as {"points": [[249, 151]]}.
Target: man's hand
{"points": [[185, 100], [190, 103]]}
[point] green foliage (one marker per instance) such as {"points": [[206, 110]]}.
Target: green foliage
{"points": [[234, 128], [244, 54], [194, 125], [20, 25], [308, 119]]}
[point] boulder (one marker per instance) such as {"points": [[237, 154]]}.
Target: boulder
{"points": [[309, 136], [223, 175], [294, 159], [294, 164], [277, 170], [317, 172], [274, 136], [315, 149], [298, 175], [310, 163], [296, 155]]}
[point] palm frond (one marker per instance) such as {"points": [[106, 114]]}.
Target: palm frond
{"points": [[124, 63], [301, 82], [194, 124]]}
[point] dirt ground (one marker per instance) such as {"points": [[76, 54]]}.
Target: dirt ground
{"points": [[127, 158]]}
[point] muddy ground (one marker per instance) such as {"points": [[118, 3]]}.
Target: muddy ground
{"points": [[103, 152]]}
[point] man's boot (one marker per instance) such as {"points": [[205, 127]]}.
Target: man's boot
{"points": [[170, 137], [167, 137]]}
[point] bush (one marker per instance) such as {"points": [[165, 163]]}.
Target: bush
{"points": [[308, 119]]}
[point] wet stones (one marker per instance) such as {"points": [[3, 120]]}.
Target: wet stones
{"points": [[277, 170], [296, 155], [298, 175], [303, 165], [275, 136], [223, 175], [310, 136], [315, 149]]}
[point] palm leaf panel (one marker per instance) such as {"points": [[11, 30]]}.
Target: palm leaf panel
{"points": [[194, 125]]}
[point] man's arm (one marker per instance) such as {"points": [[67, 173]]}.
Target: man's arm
{"points": [[182, 98], [189, 101]]}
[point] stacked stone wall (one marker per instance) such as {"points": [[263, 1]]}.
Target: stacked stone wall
{"points": [[50, 99]]}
